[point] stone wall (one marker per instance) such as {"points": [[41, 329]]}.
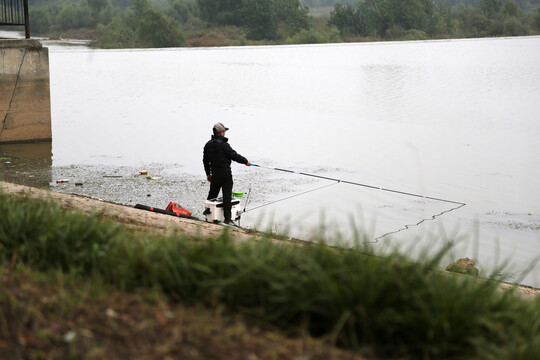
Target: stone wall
{"points": [[25, 101]]}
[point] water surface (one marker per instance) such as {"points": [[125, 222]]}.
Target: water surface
{"points": [[457, 120]]}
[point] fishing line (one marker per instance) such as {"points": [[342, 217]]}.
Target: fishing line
{"points": [[406, 227], [292, 196], [364, 185], [247, 200], [337, 181]]}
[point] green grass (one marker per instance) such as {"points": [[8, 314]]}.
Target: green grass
{"points": [[385, 303]]}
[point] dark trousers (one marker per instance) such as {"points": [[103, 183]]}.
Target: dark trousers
{"points": [[224, 183]]}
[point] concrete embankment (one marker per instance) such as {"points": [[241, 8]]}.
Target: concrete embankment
{"points": [[25, 105]]}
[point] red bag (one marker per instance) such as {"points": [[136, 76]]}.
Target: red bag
{"points": [[177, 209]]}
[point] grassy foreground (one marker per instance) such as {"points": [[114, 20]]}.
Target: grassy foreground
{"points": [[381, 307]]}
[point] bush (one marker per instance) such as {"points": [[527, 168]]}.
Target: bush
{"points": [[415, 34], [40, 20], [313, 36], [67, 18], [143, 27], [118, 34], [158, 30], [513, 27], [537, 20], [184, 10], [395, 32], [106, 15]]}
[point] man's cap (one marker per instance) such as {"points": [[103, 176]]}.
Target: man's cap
{"points": [[219, 127]]}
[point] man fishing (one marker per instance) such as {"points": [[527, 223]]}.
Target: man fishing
{"points": [[217, 156]]}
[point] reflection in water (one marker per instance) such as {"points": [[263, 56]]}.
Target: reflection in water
{"points": [[28, 164]]}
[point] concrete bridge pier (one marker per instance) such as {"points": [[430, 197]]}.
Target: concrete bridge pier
{"points": [[25, 100]]}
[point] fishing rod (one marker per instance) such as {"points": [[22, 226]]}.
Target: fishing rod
{"points": [[360, 184]]}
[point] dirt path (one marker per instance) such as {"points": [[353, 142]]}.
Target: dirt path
{"points": [[126, 215]]}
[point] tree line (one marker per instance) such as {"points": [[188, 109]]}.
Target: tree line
{"points": [[422, 19], [142, 23], [175, 23]]}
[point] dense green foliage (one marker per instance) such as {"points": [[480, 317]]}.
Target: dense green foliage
{"points": [[262, 18], [183, 10], [397, 19], [265, 19], [165, 23], [313, 36], [141, 26], [61, 16], [224, 12], [160, 26], [384, 303]]}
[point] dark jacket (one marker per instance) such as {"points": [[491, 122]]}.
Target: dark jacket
{"points": [[217, 156]]}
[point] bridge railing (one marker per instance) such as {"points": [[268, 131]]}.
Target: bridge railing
{"points": [[15, 12]]}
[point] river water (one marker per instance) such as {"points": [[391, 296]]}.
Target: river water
{"points": [[457, 121]]}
